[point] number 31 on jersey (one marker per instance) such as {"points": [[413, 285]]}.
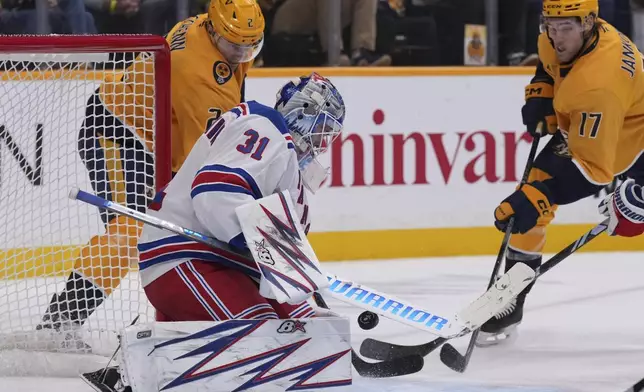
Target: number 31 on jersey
{"points": [[254, 144]]}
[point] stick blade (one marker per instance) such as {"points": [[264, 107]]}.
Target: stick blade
{"points": [[386, 369], [381, 351], [498, 296], [384, 351], [637, 387], [452, 358]]}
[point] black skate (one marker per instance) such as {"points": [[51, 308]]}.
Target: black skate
{"points": [[106, 380], [65, 333], [502, 328]]}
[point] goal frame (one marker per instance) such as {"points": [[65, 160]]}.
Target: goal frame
{"points": [[116, 43], [39, 361]]}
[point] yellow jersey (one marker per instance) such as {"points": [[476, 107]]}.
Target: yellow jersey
{"points": [[599, 103], [203, 87]]}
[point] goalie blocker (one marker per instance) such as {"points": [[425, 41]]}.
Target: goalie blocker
{"points": [[233, 355]]}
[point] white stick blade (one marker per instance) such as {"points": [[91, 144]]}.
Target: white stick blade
{"points": [[497, 297]]}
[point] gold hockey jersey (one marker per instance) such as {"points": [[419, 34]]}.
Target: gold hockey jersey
{"points": [[203, 87], [599, 103]]}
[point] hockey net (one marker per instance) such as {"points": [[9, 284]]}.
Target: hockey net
{"points": [[46, 89]]}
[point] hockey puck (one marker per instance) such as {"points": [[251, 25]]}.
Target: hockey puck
{"points": [[368, 320]]}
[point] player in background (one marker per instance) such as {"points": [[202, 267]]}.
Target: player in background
{"points": [[210, 56], [589, 90], [251, 152]]}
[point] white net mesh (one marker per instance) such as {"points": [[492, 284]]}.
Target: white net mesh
{"points": [[68, 277]]}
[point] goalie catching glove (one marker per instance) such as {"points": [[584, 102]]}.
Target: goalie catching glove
{"points": [[625, 210], [527, 204]]}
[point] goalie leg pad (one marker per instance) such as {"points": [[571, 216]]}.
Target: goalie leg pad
{"points": [[267, 355], [302, 310]]}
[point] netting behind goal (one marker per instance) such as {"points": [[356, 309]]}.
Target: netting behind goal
{"points": [[57, 131]]}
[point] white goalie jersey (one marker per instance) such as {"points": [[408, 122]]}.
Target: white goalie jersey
{"points": [[247, 154]]}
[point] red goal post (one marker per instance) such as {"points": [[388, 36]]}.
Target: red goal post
{"points": [[47, 87]]}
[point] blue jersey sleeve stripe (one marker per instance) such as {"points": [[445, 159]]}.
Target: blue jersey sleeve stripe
{"points": [[218, 177], [177, 239], [226, 188], [257, 193], [236, 111], [273, 115], [238, 241]]}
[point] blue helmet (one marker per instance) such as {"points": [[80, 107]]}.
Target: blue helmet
{"points": [[314, 112]]}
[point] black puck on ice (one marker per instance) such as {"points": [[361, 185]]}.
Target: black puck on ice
{"points": [[368, 320]]}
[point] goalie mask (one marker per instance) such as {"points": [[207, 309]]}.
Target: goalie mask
{"points": [[314, 113]]}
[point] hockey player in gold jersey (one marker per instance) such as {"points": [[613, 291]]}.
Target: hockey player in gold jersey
{"points": [[210, 56], [589, 90]]}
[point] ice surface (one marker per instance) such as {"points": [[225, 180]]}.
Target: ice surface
{"points": [[583, 328]]}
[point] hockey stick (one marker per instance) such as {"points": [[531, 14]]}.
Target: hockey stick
{"points": [[637, 387], [398, 367], [449, 355], [457, 362], [353, 293], [392, 368], [379, 350]]}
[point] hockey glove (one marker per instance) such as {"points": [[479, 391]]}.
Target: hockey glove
{"points": [[527, 205], [538, 107], [625, 210]]}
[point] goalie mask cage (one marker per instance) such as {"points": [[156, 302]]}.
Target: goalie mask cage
{"points": [[46, 87]]}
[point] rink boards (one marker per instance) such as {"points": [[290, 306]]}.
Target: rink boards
{"points": [[426, 155]]}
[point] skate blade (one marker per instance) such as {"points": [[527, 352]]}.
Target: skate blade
{"points": [[102, 380], [91, 380], [506, 336]]}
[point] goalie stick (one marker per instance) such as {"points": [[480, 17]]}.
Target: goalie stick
{"points": [[355, 294], [379, 350], [397, 367]]}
